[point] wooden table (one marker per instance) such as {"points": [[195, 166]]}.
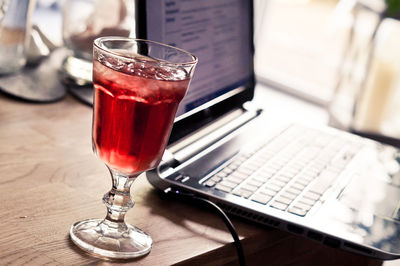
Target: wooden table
{"points": [[49, 179]]}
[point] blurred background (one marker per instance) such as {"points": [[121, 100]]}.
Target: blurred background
{"points": [[339, 54], [299, 46]]}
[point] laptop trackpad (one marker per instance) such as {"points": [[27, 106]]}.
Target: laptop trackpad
{"points": [[375, 196]]}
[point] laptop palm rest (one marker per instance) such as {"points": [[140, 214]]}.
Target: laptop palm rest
{"points": [[375, 196]]}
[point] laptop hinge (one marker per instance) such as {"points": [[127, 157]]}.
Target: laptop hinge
{"points": [[191, 145]]}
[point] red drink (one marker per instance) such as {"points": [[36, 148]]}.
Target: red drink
{"points": [[135, 102], [134, 111]]}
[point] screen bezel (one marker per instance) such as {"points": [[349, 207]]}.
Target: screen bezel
{"points": [[205, 113]]}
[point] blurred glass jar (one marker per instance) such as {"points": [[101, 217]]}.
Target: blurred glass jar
{"points": [[366, 97], [14, 33], [86, 20]]}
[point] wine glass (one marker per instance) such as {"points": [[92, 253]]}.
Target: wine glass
{"points": [[138, 85]]}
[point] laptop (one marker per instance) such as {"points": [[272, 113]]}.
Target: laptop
{"points": [[320, 183]]}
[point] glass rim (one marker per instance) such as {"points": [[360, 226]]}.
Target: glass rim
{"points": [[97, 42]]}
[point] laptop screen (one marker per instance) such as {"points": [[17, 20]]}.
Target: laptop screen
{"points": [[219, 33]]}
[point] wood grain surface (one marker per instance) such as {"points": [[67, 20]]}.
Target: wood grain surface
{"points": [[49, 179]]}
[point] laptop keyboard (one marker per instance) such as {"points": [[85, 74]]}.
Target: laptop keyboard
{"points": [[289, 173]]}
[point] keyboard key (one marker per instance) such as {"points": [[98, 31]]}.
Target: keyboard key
{"points": [[321, 162], [216, 178], [255, 182], [249, 187], [229, 184], [260, 178], [250, 166], [300, 208], [283, 200], [288, 195], [323, 182], [257, 160], [226, 171], [307, 201], [283, 178], [311, 195], [306, 177], [266, 174], [267, 170], [245, 171], [233, 179], [333, 169], [261, 198], [239, 160], [210, 183], [221, 174], [302, 181], [238, 175], [223, 188], [298, 186], [303, 206], [268, 192], [317, 165], [298, 165], [278, 183], [279, 205], [254, 165], [293, 190], [291, 171], [266, 155], [320, 187], [279, 162], [311, 172], [297, 211], [273, 187], [243, 193], [232, 167]]}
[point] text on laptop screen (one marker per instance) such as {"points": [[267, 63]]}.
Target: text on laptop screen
{"points": [[217, 32]]}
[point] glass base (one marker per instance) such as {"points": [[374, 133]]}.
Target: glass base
{"points": [[111, 240]]}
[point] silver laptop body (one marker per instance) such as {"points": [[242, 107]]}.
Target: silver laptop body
{"points": [[321, 183]]}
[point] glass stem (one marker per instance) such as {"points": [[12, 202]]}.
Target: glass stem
{"points": [[118, 200]]}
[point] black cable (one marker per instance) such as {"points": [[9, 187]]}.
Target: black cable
{"points": [[221, 213]]}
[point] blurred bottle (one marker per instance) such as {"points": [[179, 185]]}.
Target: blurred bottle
{"points": [[375, 104], [86, 20], [3, 8], [366, 97], [14, 34]]}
